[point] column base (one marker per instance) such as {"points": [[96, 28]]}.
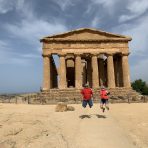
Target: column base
{"points": [[44, 89]]}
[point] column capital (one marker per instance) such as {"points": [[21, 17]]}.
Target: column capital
{"points": [[95, 54], [46, 55], [62, 55], [77, 54], [109, 54], [125, 54]]}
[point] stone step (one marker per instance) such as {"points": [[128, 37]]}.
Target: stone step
{"points": [[74, 96]]}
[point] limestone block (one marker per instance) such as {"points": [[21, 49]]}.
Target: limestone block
{"points": [[70, 108], [61, 107]]}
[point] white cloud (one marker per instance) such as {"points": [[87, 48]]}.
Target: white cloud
{"points": [[8, 5], [31, 56], [109, 5], [138, 46], [104, 2], [64, 3], [20, 4], [3, 44], [5, 6], [95, 22], [135, 8], [11, 58], [138, 6], [34, 30], [139, 33], [8, 56], [30, 30], [124, 18]]}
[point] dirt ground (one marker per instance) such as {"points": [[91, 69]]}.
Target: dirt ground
{"points": [[39, 126], [133, 118]]}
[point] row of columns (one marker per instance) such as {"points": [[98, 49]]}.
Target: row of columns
{"points": [[78, 72]]}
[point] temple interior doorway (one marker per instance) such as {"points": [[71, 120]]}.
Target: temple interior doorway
{"points": [[102, 70], [84, 72], [70, 77]]}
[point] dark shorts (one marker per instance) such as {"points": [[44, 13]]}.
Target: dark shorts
{"points": [[104, 101], [89, 102]]}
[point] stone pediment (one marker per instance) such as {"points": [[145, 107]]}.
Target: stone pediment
{"points": [[85, 34]]}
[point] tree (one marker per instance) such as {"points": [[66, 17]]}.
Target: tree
{"points": [[140, 86]]}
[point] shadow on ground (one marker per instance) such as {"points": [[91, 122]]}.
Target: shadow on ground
{"points": [[100, 116], [85, 116], [89, 116]]}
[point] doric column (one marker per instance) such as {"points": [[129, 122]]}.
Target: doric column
{"points": [[125, 69], [116, 71], [89, 72], [110, 71], [62, 73], [46, 72], [95, 73], [78, 71]]}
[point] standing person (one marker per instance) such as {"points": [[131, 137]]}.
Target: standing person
{"points": [[87, 95], [104, 98]]}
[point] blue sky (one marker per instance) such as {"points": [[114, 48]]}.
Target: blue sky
{"points": [[24, 22]]}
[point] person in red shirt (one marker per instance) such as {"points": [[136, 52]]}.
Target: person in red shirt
{"points": [[104, 98], [87, 95]]}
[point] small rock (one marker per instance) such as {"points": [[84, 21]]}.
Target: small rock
{"points": [[70, 108], [61, 107]]}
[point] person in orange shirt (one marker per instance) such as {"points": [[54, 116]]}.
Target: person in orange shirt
{"points": [[104, 98], [87, 95]]}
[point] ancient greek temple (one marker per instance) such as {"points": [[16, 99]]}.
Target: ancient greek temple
{"points": [[85, 56]]}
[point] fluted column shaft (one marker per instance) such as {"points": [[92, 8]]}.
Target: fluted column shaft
{"points": [[78, 72], [110, 71], [126, 72], [62, 73], [46, 72], [95, 73]]}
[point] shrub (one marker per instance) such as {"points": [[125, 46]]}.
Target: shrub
{"points": [[140, 86]]}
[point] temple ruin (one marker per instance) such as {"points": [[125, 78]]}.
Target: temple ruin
{"points": [[85, 56]]}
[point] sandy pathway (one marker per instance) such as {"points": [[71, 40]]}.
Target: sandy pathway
{"points": [[98, 130], [29, 126]]}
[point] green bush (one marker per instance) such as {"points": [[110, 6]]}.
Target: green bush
{"points": [[140, 86]]}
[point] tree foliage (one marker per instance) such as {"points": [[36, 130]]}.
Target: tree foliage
{"points": [[140, 86]]}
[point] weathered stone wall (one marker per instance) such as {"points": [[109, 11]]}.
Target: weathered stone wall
{"points": [[18, 98], [118, 95], [72, 96]]}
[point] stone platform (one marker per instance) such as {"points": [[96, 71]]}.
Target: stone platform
{"points": [[71, 95]]}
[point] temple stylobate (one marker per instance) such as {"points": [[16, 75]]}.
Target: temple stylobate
{"points": [[85, 56]]}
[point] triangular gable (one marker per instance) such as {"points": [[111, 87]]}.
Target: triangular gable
{"points": [[86, 34]]}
